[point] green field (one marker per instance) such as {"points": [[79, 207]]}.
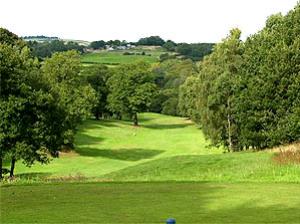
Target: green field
{"points": [[162, 148], [118, 57], [164, 168], [151, 203]]}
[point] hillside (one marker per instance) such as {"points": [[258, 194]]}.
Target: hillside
{"points": [[117, 57], [163, 148], [163, 168]]}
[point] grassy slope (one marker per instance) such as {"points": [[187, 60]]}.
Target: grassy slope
{"points": [[151, 203], [106, 146], [163, 148], [117, 57]]}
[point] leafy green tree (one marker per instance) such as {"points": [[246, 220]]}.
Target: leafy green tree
{"points": [[114, 43], [170, 45], [188, 94], [169, 75], [36, 104], [97, 44], [218, 81], [62, 71], [194, 52], [268, 112], [45, 49], [9, 38], [151, 41], [132, 89], [97, 77]]}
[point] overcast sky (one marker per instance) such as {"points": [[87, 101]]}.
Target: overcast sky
{"points": [[178, 20]]}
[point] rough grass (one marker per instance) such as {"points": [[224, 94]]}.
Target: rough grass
{"points": [[287, 157], [151, 203]]}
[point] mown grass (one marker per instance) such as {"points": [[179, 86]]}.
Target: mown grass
{"points": [[163, 148], [164, 168], [151, 203], [118, 57]]}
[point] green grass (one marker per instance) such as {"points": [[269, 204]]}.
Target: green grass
{"points": [[117, 57], [163, 148], [165, 168], [151, 203], [103, 147]]}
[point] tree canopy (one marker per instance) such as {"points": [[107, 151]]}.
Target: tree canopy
{"points": [[45, 49], [40, 105], [247, 93], [132, 89], [151, 41]]}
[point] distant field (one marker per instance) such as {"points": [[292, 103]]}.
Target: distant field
{"points": [[118, 57]]}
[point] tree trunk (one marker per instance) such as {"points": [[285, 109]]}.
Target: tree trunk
{"points": [[97, 115], [135, 120], [1, 176], [12, 167], [119, 117], [229, 125]]}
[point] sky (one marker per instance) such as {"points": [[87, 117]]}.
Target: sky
{"points": [[178, 20]]}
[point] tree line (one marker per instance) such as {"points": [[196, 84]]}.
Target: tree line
{"points": [[247, 94], [244, 95], [42, 103], [45, 49], [195, 51]]}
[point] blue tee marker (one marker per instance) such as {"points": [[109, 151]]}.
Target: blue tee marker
{"points": [[170, 221]]}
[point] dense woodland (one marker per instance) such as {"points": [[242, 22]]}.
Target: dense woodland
{"points": [[244, 95], [247, 94]]}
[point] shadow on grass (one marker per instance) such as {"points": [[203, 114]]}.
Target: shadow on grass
{"points": [[166, 126], [120, 154], [96, 124], [149, 203], [85, 139], [254, 212]]}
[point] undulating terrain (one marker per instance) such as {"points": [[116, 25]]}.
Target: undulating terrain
{"points": [[163, 168]]}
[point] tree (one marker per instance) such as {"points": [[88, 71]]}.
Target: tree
{"points": [[169, 75], [23, 107], [194, 52], [187, 103], [97, 44], [218, 81], [72, 95], [151, 41], [132, 89], [45, 49], [36, 104], [169, 45], [9, 38], [269, 105], [97, 77]]}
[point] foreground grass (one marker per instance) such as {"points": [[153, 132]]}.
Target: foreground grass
{"points": [[135, 175], [151, 203]]}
